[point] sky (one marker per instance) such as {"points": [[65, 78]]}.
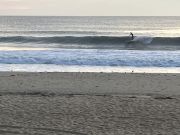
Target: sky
{"points": [[90, 7]]}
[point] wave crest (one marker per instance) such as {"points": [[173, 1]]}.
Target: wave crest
{"points": [[90, 40]]}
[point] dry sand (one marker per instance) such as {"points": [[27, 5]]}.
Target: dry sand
{"points": [[89, 104]]}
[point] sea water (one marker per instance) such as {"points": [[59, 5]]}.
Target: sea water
{"points": [[47, 43]]}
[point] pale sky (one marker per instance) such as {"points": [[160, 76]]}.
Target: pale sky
{"points": [[91, 7]]}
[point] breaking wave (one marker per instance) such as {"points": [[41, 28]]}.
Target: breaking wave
{"points": [[97, 40]]}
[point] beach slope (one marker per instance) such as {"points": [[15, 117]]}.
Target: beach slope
{"points": [[89, 103]]}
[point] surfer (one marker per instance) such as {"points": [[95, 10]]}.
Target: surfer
{"points": [[132, 35]]}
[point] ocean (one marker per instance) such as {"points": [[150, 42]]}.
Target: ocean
{"points": [[53, 43]]}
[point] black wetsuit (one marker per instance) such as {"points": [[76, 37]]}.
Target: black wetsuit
{"points": [[132, 35]]}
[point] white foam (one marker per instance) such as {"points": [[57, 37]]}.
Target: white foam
{"points": [[143, 39], [93, 57], [96, 69]]}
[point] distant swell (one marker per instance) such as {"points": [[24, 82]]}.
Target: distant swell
{"points": [[87, 40]]}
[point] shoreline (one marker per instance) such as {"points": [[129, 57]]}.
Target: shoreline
{"points": [[84, 69]]}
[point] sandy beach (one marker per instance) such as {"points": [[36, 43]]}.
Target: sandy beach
{"points": [[89, 103]]}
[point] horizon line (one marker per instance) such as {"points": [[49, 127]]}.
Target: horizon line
{"points": [[87, 16]]}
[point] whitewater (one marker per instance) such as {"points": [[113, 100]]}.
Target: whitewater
{"points": [[89, 42]]}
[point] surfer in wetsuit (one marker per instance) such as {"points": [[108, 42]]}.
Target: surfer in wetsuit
{"points": [[132, 35]]}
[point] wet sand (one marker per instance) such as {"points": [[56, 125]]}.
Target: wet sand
{"points": [[89, 103]]}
